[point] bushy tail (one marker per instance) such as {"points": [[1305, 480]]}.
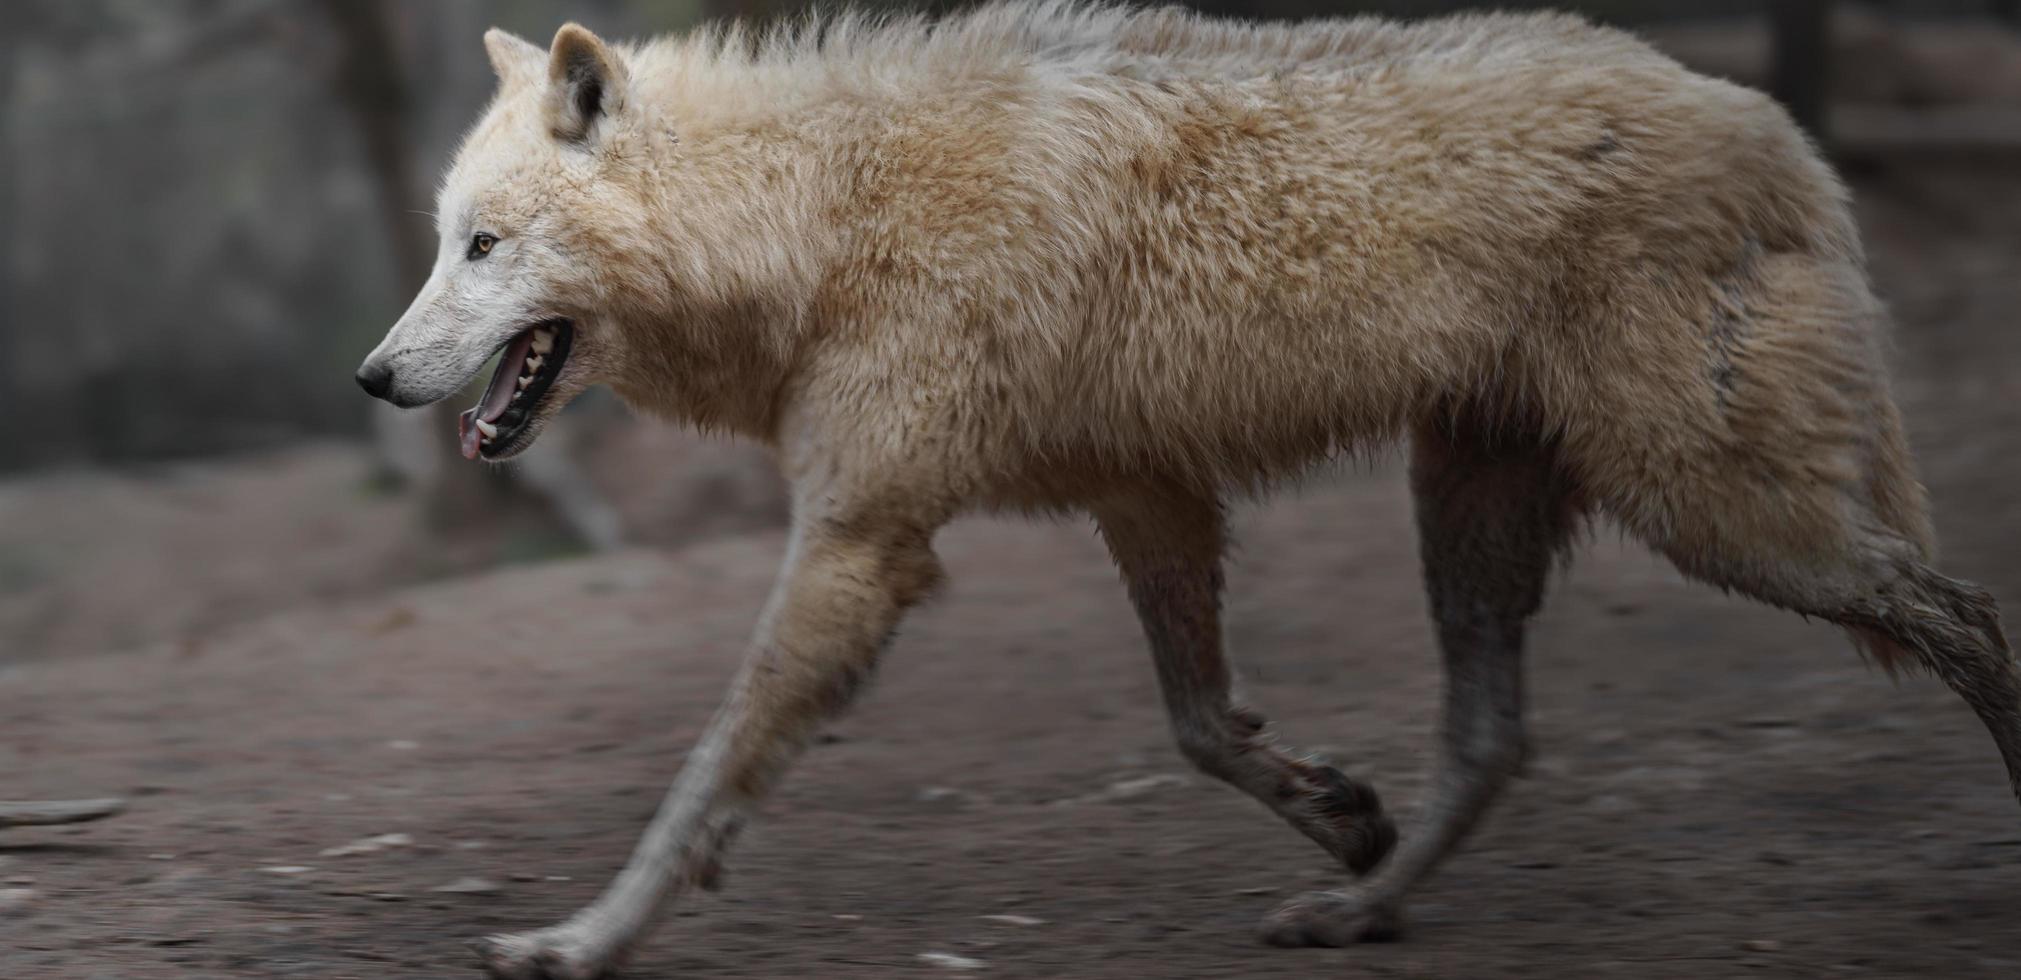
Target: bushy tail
{"points": [[1922, 617], [1951, 629]]}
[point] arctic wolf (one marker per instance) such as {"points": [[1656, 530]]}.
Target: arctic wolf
{"points": [[1054, 258]]}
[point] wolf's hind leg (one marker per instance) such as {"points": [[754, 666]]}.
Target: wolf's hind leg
{"points": [[848, 579], [1492, 517], [1169, 546]]}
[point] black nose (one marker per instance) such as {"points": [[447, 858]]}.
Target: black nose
{"points": [[377, 380]]}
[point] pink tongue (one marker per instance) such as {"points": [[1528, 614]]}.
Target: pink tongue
{"points": [[506, 381], [467, 434], [497, 395]]}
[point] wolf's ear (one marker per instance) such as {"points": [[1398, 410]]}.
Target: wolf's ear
{"points": [[514, 58], [586, 83]]}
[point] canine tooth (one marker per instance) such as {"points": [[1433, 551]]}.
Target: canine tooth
{"points": [[534, 363], [524, 380], [487, 428], [543, 341]]}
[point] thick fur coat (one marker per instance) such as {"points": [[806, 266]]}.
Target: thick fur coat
{"points": [[1078, 244]]}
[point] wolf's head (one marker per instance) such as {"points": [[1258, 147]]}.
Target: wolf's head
{"points": [[530, 198]]}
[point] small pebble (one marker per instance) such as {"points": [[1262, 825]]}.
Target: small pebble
{"points": [[952, 962], [1130, 788], [368, 845], [469, 886], [1013, 920]]}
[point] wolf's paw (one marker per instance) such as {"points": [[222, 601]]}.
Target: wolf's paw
{"points": [[1331, 919], [1363, 834], [560, 953]]}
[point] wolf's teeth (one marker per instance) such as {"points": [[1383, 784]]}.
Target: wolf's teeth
{"points": [[524, 380], [543, 341], [490, 431], [534, 363]]}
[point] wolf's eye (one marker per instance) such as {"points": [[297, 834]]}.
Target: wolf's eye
{"points": [[480, 246]]}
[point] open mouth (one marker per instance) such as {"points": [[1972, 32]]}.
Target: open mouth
{"points": [[528, 367]]}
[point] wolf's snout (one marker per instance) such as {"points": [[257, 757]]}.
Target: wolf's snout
{"points": [[376, 379]]}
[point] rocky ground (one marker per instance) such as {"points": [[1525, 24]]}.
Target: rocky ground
{"points": [[350, 780]]}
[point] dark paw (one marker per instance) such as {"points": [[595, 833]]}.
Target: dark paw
{"points": [[1331, 919], [1366, 834]]}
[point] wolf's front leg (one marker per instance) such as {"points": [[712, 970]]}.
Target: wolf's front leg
{"points": [[847, 580]]}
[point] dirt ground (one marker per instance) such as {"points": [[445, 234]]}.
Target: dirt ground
{"points": [[1721, 790]]}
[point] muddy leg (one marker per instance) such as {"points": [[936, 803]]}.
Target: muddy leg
{"points": [[845, 584], [1491, 519], [1169, 549]]}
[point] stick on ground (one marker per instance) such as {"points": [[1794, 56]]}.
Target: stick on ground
{"points": [[37, 813]]}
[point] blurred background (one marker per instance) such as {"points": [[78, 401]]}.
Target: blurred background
{"points": [[211, 209]]}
